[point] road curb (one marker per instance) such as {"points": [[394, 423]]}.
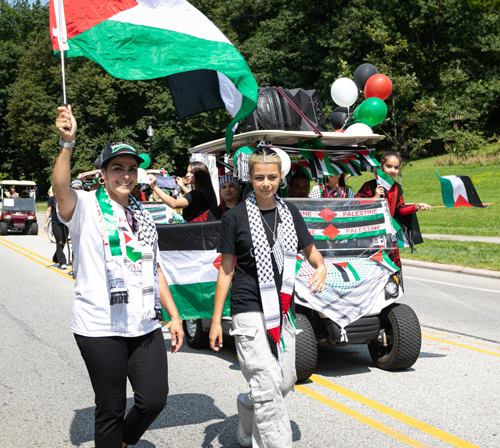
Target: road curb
{"points": [[451, 268]]}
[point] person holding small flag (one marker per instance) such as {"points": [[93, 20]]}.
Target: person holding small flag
{"points": [[385, 185], [259, 240]]}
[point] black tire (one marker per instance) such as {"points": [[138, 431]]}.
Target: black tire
{"points": [[306, 350], [3, 228], [194, 334], [50, 234], [404, 339], [34, 229]]}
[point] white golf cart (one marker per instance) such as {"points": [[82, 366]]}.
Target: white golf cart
{"points": [[355, 236]]}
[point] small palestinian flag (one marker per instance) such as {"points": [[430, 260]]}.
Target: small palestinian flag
{"points": [[383, 259], [383, 179], [349, 274], [458, 191], [326, 167], [347, 167]]}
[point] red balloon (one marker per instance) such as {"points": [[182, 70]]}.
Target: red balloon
{"points": [[379, 86]]}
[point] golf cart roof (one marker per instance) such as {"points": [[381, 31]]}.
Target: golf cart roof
{"points": [[17, 182], [285, 138]]}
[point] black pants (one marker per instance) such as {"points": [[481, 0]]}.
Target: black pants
{"points": [[61, 235], [109, 361]]}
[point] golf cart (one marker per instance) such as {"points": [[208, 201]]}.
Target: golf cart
{"points": [[355, 236], [18, 213]]}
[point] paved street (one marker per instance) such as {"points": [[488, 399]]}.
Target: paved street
{"points": [[449, 397]]}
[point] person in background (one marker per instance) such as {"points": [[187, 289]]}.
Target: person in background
{"points": [[77, 184], [259, 240], [299, 185], [185, 184], [391, 165], [335, 188], [25, 195], [12, 193], [60, 232], [119, 290], [229, 191], [194, 203]]}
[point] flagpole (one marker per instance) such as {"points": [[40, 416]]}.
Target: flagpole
{"points": [[444, 206], [62, 43]]}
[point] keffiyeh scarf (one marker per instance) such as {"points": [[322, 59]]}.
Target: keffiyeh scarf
{"points": [[115, 253], [276, 307]]}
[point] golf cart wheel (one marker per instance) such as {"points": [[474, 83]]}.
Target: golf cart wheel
{"points": [[403, 338], [3, 228], [194, 334], [50, 234], [306, 350], [34, 229]]}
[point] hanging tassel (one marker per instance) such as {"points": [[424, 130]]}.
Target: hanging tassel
{"points": [[343, 335]]}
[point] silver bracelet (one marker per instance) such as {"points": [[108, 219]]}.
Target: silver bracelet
{"points": [[66, 144]]}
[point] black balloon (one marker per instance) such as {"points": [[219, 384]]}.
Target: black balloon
{"points": [[363, 73], [338, 117]]}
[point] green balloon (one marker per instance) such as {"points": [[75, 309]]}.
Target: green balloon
{"points": [[147, 161], [372, 111], [244, 150]]}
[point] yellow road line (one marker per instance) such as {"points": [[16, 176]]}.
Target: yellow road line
{"points": [[26, 250], [462, 345], [458, 337], [424, 427], [39, 262], [360, 417]]}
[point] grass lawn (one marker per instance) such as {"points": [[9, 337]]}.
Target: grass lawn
{"points": [[421, 184], [474, 255], [41, 206]]}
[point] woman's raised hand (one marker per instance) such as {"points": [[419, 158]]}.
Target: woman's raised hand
{"points": [[66, 123], [152, 180]]}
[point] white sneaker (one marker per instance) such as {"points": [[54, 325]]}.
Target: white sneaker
{"points": [[244, 439], [63, 266]]}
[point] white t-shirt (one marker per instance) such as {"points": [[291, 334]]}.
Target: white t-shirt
{"points": [[92, 313]]}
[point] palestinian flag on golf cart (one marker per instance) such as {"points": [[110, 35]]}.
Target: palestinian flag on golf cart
{"points": [[149, 39], [190, 263], [458, 191], [346, 219]]}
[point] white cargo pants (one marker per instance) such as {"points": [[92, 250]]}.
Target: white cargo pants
{"points": [[262, 411]]}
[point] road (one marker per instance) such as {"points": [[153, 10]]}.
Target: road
{"points": [[449, 397]]}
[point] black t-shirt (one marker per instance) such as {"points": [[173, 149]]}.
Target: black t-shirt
{"points": [[235, 239], [198, 203], [53, 213]]}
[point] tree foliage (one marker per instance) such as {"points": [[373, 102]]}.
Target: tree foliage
{"points": [[442, 57]]}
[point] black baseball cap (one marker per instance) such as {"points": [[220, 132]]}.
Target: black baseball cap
{"points": [[118, 149]]}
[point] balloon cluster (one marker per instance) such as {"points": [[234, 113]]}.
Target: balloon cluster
{"points": [[372, 111]]}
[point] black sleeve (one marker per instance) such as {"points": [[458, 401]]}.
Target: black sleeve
{"points": [[189, 197], [227, 236], [51, 202], [303, 235]]}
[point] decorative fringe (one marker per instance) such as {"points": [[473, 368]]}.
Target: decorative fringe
{"points": [[273, 345], [118, 298], [343, 335], [149, 315]]}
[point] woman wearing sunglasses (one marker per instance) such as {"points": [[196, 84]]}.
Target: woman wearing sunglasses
{"points": [[263, 234], [118, 292]]}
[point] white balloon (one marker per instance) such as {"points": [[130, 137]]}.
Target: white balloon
{"points": [[344, 92], [286, 163], [142, 176], [359, 129]]}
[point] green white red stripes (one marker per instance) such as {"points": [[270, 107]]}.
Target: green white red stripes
{"points": [[349, 274], [383, 259], [144, 39], [459, 191], [383, 179]]}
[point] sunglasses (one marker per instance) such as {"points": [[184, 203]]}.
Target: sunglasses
{"points": [[132, 222]]}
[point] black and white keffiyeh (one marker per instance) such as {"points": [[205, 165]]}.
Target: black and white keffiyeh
{"points": [[276, 308]]}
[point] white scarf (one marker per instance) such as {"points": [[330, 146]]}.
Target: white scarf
{"points": [[276, 308]]}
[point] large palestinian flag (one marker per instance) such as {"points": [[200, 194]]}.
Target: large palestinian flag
{"points": [[345, 219], [458, 191], [190, 263], [148, 39]]}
